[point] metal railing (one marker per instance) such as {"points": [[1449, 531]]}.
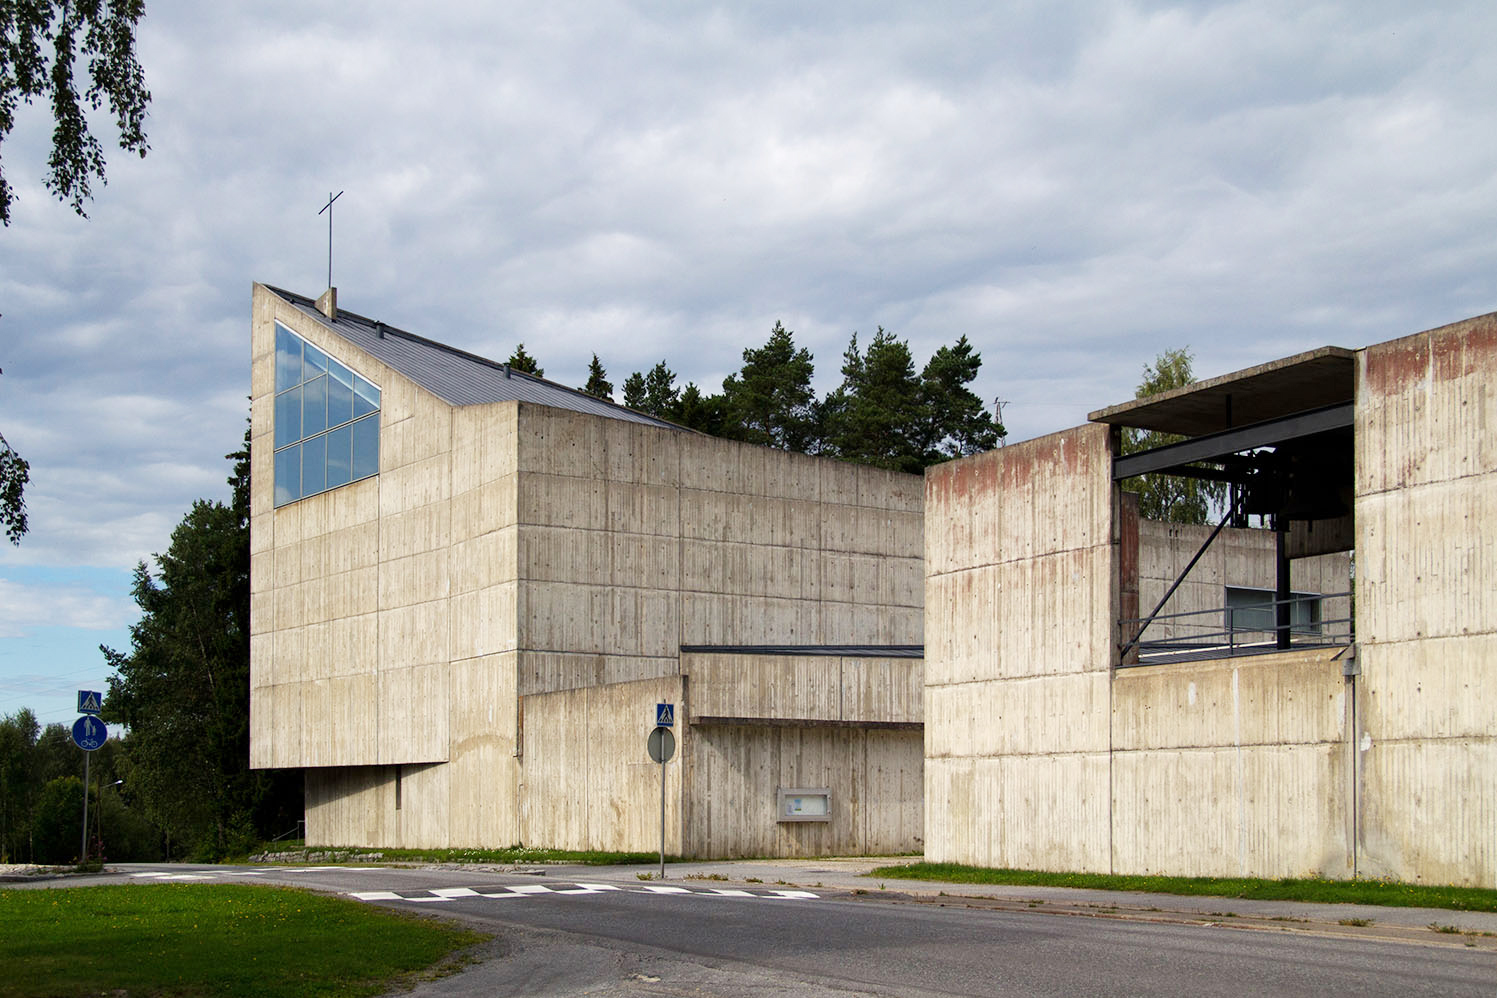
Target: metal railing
{"points": [[1210, 633]]}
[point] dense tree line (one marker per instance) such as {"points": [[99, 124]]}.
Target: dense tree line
{"points": [[883, 413], [176, 781], [41, 798], [182, 689]]}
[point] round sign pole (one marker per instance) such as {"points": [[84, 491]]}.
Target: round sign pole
{"points": [[83, 849], [661, 745], [662, 819], [89, 733]]}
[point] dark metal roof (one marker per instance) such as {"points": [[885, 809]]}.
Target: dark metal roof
{"points": [[841, 651], [1280, 388], [455, 376]]}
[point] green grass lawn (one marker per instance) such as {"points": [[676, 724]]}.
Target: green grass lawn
{"points": [[207, 939], [1380, 892]]}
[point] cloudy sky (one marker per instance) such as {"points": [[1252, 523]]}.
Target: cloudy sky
{"points": [[1075, 186]]}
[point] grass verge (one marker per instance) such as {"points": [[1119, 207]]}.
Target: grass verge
{"points": [[1378, 892], [206, 939], [510, 855]]}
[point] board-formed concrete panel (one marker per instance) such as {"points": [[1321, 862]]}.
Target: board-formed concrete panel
{"points": [[1020, 597], [737, 771], [1426, 610]]}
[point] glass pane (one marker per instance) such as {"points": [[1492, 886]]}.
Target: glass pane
{"points": [[314, 406], [339, 397], [315, 360], [366, 447], [314, 466], [288, 475], [288, 417], [366, 397], [339, 451], [287, 358]]}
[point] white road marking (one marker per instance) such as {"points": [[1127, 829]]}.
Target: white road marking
{"points": [[438, 894]]}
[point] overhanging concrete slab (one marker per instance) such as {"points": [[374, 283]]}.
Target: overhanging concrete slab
{"points": [[1312, 380]]}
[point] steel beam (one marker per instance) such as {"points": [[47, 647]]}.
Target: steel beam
{"points": [[1215, 446]]}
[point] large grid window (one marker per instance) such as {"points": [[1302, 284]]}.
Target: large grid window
{"points": [[326, 421]]}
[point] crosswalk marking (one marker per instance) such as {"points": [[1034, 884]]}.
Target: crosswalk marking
{"points": [[438, 894]]}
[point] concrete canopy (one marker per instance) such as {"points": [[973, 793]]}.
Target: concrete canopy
{"points": [[1322, 377]]}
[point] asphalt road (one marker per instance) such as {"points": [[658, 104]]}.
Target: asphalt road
{"points": [[616, 937]]}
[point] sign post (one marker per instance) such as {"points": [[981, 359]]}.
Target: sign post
{"points": [[661, 746], [89, 733]]}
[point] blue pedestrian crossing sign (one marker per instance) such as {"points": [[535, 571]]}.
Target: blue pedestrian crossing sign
{"points": [[90, 702], [89, 733], [665, 715]]}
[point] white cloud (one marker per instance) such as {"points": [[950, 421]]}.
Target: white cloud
{"points": [[1074, 186], [24, 608]]}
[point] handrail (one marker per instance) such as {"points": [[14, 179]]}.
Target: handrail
{"points": [[1234, 640]]}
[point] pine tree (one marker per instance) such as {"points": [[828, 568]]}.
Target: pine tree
{"points": [[956, 422], [770, 400], [522, 361], [183, 688], [654, 393], [875, 416], [598, 384]]}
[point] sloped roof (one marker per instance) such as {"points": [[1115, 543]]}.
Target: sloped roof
{"points": [[456, 376]]}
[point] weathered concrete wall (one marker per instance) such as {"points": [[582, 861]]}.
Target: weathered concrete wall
{"points": [[1039, 755], [635, 540], [316, 682], [383, 615], [734, 774], [1426, 502], [1235, 767], [589, 782], [762, 723], [806, 687], [1020, 625]]}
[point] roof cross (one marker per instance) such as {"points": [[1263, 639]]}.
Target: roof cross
{"points": [[331, 197]]}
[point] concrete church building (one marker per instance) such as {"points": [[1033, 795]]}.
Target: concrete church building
{"points": [[1070, 725], [472, 587]]}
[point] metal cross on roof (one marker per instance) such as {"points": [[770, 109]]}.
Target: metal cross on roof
{"points": [[331, 197]]}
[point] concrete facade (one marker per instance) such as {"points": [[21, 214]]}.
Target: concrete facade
{"points": [[1373, 758], [467, 648]]}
